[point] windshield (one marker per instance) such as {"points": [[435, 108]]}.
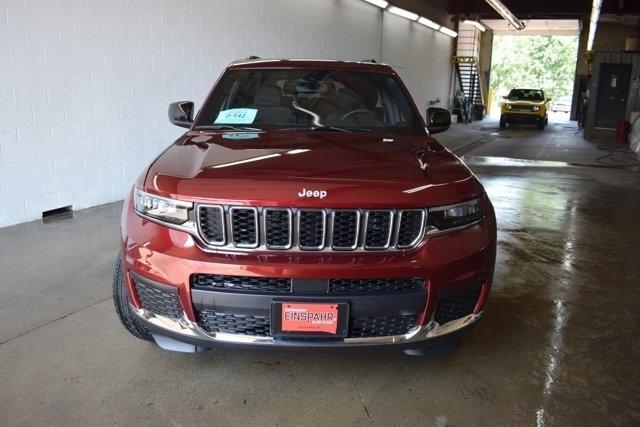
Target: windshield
{"points": [[309, 99], [526, 95]]}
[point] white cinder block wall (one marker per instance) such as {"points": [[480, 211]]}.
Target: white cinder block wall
{"points": [[85, 84], [422, 58]]}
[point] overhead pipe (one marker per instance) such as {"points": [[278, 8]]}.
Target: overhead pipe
{"points": [[593, 22]]}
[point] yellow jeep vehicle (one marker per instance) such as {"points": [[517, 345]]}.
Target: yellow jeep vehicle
{"points": [[527, 106]]}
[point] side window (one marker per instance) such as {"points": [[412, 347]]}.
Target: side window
{"points": [[398, 110]]}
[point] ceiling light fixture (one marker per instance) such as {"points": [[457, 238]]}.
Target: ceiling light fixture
{"points": [[428, 23], [404, 13], [382, 4], [593, 23], [476, 24], [448, 32], [502, 10]]}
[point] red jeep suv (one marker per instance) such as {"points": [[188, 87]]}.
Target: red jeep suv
{"points": [[307, 205]]}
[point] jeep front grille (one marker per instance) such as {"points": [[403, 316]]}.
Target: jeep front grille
{"points": [[310, 229], [525, 108]]}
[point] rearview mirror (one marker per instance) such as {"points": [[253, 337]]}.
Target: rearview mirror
{"points": [[438, 119], [181, 113]]}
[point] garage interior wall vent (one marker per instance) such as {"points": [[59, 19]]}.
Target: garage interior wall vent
{"points": [[57, 214]]}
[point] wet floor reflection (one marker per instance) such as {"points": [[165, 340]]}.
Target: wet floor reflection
{"points": [[567, 248]]}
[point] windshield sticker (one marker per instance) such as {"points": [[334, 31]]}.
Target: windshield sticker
{"points": [[236, 116], [243, 135]]}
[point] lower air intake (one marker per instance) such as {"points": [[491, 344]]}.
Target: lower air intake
{"points": [[456, 304], [159, 301]]}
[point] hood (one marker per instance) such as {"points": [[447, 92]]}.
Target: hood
{"points": [[311, 169]]}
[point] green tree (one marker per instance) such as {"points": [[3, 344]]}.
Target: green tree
{"points": [[546, 62]]}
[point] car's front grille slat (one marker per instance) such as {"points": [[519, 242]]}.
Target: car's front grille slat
{"points": [[310, 229], [377, 233], [410, 225], [211, 220], [346, 229], [244, 227], [278, 228]]}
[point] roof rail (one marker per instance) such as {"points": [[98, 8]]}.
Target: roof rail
{"points": [[371, 61]]}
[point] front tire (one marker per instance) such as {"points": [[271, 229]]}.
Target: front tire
{"points": [[503, 122], [123, 309], [541, 123]]}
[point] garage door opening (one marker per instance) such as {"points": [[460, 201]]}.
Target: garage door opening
{"points": [[535, 62]]}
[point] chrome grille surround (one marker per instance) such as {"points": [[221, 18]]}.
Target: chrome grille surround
{"points": [[377, 233], [356, 233], [400, 224], [244, 236], [310, 229], [305, 232], [267, 227], [217, 235]]}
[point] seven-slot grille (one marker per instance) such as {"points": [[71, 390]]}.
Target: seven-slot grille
{"points": [[521, 108], [310, 229]]}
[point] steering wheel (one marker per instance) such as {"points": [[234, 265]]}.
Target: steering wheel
{"points": [[360, 111]]}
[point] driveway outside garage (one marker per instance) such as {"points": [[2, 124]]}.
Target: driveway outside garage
{"points": [[558, 345]]}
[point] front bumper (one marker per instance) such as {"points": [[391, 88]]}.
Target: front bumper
{"points": [[167, 259], [523, 117], [186, 336]]}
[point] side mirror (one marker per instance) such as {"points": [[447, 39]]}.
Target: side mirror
{"points": [[438, 119], [548, 99], [181, 113], [505, 97]]}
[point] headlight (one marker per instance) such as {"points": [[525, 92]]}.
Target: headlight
{"points": [[507, 107], [536, 108], [454, 216], [162, 209]]}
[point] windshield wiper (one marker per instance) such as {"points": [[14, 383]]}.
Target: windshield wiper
{"points": [[227, 127], [325, 129]]}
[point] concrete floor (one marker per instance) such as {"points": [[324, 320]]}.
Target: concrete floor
{"points": [[558, 346]]}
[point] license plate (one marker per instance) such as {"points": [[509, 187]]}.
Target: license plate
{"points": [[309, 319]]}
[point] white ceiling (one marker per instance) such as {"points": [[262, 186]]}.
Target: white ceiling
{"points": [[536, 27]]}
